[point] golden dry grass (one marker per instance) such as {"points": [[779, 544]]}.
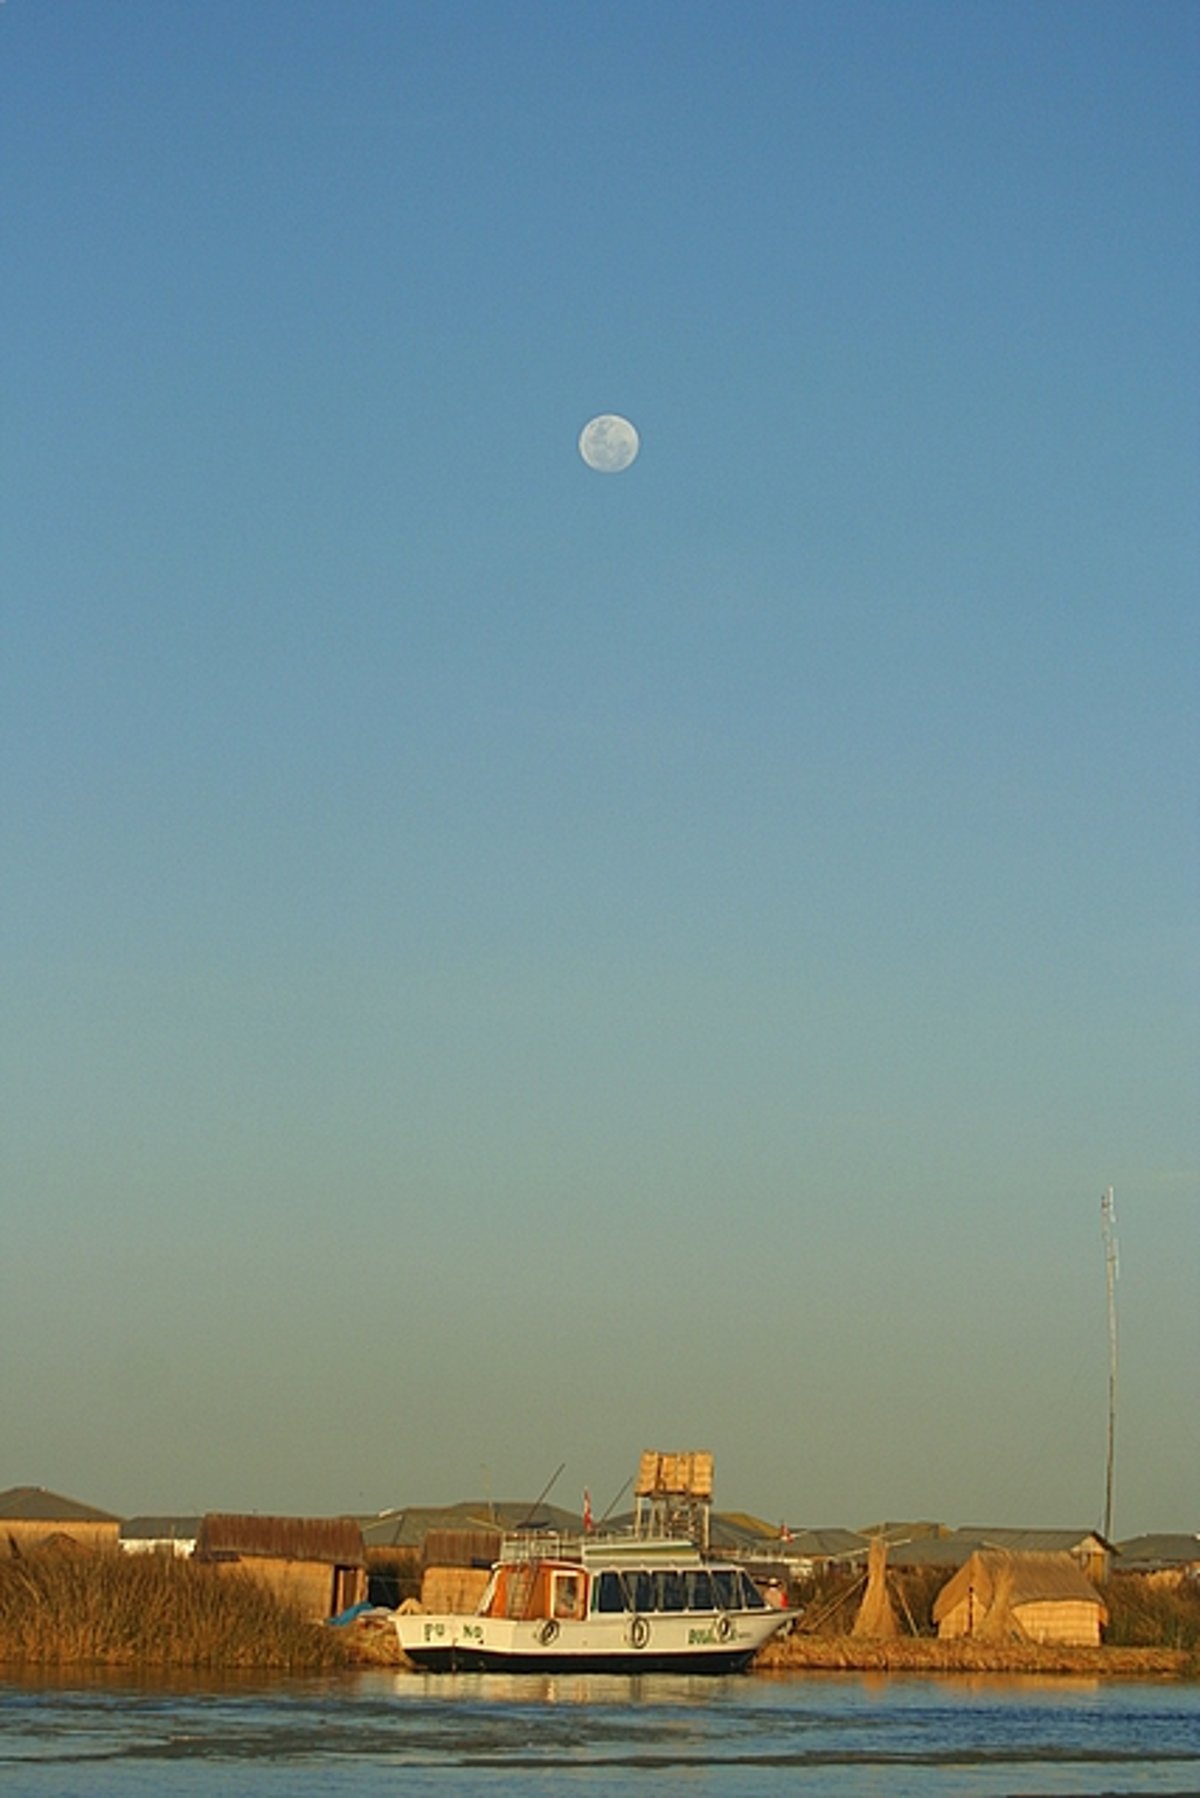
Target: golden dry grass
{"points": [[150, 1611]]}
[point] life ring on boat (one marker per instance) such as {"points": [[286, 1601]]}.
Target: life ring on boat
{"points": [[723, 1628], [639, 1632], [548, 1632]]}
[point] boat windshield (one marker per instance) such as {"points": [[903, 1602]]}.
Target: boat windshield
{"points": [[674, 1589]]}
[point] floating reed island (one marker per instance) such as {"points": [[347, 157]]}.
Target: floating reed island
{"points": [[922, 1654], [68, 1607]]}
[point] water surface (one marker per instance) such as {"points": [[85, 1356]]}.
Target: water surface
{"points": [[378, 1732]]}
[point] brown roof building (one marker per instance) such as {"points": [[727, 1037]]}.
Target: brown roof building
{"points": [[32, 1518], [317, 1565]]}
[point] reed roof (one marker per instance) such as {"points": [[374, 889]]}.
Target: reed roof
{"points": [[226, 1536]]}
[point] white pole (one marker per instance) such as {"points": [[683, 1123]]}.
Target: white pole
{"points": [[1109, 1225]]}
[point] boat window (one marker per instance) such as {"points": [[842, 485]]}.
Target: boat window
{"points": [[700, 1592], [487, 1603], [568, 1595], [669, 1592], [608, 1594], [725, 1592], [641, 1590], [752, 1598]]}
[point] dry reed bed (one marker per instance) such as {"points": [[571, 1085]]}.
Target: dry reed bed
{"points": [[114, 1610], [915, 1654]]}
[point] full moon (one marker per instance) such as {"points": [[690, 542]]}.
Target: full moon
{"points": [[608, 443]]}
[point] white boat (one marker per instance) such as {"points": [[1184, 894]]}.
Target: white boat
{"points": [[597, 1604]]}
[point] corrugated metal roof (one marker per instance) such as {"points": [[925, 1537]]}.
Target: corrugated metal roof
{"points": [[159, 1529], [33, 1504], [932, 1551], [409, 1528], [918, 1531], [337, 1540], [758, 1527], [825, 1545], [1032, 1541], [1163, 1550]]}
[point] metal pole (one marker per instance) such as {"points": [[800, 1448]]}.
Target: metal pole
{"points": [[1109, 1225]]}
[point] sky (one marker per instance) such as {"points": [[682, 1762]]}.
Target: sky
{"points": [[507, 965]]}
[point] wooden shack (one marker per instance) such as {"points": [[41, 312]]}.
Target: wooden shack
{"points": [[32, 1518], [317, 1565], [1000, 1595]]}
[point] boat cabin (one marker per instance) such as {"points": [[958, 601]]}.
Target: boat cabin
{"points": [[537, 1579]]}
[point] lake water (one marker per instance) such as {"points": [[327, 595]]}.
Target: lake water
{"points": [[382, 1732]]}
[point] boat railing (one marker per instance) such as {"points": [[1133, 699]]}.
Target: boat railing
{"points": [[597, 1545], [541, 1545]]}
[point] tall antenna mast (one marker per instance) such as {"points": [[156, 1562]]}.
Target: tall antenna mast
{"points": [[1108, 1222]]}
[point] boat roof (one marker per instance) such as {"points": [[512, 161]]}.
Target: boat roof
{"points": [[601, 1551]]}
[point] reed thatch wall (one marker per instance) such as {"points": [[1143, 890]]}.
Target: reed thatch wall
{"points": [[686, 1475], [456, 1590], [334, 1540], [461, 1548], [313, 1589], [20, 1536], [316, 1565]]}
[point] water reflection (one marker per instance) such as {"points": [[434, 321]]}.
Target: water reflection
{"points": [[563, 1688]]}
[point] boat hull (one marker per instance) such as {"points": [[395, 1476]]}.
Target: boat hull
{"points": [[717, 1644], [462, 1659]]}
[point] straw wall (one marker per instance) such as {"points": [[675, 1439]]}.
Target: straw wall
{"points": [[1060, 1620], [313, 1589], [456, 1590], [29, 1534]]}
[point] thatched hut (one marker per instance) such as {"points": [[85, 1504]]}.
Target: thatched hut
{"points": [[32, 1518], [317, 1565], [1000, 1595]]}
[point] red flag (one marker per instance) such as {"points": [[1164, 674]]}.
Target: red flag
{"points": [[587, 1510]]}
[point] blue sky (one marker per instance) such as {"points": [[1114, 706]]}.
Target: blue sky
{"points": [[508, 965]]}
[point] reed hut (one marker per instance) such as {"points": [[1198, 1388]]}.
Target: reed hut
{"points": [[32, 1518], [1000, 1595], [316, 1565]]}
